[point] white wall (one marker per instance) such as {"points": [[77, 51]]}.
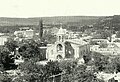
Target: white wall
{"points": [[2, 40]]}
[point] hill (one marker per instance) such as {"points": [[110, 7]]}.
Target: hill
{"points": [[81, 20], [110, 22]]}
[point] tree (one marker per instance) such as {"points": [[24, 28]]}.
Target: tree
{"points": [[105, 63], [30, 50], [32, 72], [103, 34], [115, 63], [53, 67], [87, 57], [11, 45], [68, 65], [41, 29], [118, 34], [6, 59], [5, 78], [80, 74], [49, 37], [89, 76], [103, 45], [39, 73]]}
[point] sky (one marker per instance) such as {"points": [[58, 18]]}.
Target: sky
{"points": [[43, 8]]}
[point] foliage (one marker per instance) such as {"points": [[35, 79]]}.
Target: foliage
{"points": [[100, 61], [49, 37], [39, 73], [80, 75], [40, 29], [87, 58], [6, 59], [29, 49], [29, 67], [11, 45], [115, 63], [118, 34], [6, 56], [103, 45], [5, 78], [71, 70], [103, 34], [93, 43], [31, 71], [105, 63], [68, 65], [77, 73], [53, 67], [111, 22]]}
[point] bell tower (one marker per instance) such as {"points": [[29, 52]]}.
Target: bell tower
{"points": [[61, 34]]}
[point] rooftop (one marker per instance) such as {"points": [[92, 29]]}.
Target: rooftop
{"points": [[61, 31], [77, 41]]}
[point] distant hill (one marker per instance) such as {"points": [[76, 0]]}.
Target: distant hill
{"points": [[73, 20], [109, 22]]}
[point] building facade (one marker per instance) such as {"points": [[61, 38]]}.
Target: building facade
{"points": [[3, 39], [66, 48]]}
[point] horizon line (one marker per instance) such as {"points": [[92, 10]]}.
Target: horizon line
{"points": [[57, 16]]}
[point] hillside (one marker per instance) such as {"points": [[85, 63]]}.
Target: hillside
{"points": [[81, 20], [110, 22]]}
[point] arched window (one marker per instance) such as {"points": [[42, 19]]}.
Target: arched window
{"points": [[59, 57], [60, 38], [59, 47]]}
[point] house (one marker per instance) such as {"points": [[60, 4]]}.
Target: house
{"points": [[24, 33], [110, 49], [87, 38], [99, 41], [66, 48], [3, 39], [107, 76]]}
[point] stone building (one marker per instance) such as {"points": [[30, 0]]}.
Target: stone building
{"points": [[66, 48], [3, 39]]}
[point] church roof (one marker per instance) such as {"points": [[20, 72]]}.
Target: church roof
{"points": [[77, 41], [61, 31], [117, 44]]}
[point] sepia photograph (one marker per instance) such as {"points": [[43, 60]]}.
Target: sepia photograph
{"points": [[59, 40]]}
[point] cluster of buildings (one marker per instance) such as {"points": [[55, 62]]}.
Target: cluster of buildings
{"points": [[109, 48], [25, 32], [68, 44]]}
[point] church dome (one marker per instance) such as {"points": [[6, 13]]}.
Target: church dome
{"points": [[61, 31]]}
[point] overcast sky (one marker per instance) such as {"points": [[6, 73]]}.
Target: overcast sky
{"points": [[41, 8]]}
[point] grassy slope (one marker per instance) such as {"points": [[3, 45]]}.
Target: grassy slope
{"points": [[4, 21]]}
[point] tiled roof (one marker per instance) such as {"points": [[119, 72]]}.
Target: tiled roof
{"points": [[77, 41]]}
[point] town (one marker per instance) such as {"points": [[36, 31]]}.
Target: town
{"points": [[61, 52]]}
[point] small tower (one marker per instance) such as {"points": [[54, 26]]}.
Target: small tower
{"points": [[61, 34]]}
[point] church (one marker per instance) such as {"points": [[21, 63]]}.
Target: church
{"points": [[65, 48]]}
